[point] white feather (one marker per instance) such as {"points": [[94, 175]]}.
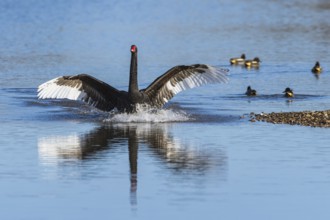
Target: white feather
{"points": [[51, 90], [209, 75]]}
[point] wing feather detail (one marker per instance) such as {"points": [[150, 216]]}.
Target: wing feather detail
{"points": [[181, 78], [85, 88]]}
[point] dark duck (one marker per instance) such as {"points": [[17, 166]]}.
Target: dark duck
{"points": [[250, 91], [102, 96], [288, 93], [252, 63], [317, 68], [237, 60]]}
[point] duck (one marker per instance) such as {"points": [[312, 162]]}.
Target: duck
{"points": [[102, 96], [317, 68], [288, 93], [252, 63], [250, 91], [237, 60]]}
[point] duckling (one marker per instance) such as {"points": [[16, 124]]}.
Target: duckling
{"points": [[317, 68], [250, 92], [288, 93], [237, 60], [252, 63]]}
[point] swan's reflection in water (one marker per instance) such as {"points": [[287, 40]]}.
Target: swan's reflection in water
{"points": [[58, 151]]}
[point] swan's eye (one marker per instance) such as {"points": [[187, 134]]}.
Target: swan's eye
{"points": [[133, 48]]}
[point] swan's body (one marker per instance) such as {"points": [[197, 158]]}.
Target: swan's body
{"points": [[105, 97]]}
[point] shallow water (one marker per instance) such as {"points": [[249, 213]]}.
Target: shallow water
{"points": [[200, 157]]}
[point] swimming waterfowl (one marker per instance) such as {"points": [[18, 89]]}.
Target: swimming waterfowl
{"points": [[317, 68], [288, 92], [250, 92], [99, 94], [252, 63], [237, 60]]}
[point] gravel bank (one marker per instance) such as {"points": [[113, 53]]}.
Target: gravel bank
{"points": [[305, 118]]}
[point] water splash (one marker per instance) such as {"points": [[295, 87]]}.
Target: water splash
{"points": [[147, 114]]}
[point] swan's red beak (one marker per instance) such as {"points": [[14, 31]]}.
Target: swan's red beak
{"points": [[133, 48]]}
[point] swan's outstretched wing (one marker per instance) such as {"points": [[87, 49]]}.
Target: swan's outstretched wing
{"points": [[180, 78], [85, 88]]}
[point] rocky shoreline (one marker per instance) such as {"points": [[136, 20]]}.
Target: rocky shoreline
{"points": [[305, 118]]}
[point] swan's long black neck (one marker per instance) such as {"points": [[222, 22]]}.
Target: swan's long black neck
{"points": [[134, 95], [133, 83]]}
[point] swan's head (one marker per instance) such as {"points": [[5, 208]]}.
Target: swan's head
{"points": [[134, 49]]}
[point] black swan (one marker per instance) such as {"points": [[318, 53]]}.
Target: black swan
{"points": [[106, 98]]}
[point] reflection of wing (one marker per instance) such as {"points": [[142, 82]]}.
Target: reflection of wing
{"points": [[178, 155], [77, 147], [53, 148], [84, 88], [181, 78], [170, 150]]}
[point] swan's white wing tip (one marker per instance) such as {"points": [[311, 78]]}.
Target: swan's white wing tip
{"points": [[202, 75], [52, 89]]}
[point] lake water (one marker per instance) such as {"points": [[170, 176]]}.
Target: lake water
{"points": [[200, 157]]}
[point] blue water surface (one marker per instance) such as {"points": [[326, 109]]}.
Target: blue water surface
{"points": [[200, 157]]}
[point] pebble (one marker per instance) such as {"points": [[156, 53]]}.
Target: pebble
{"points": [[305, 118]]}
